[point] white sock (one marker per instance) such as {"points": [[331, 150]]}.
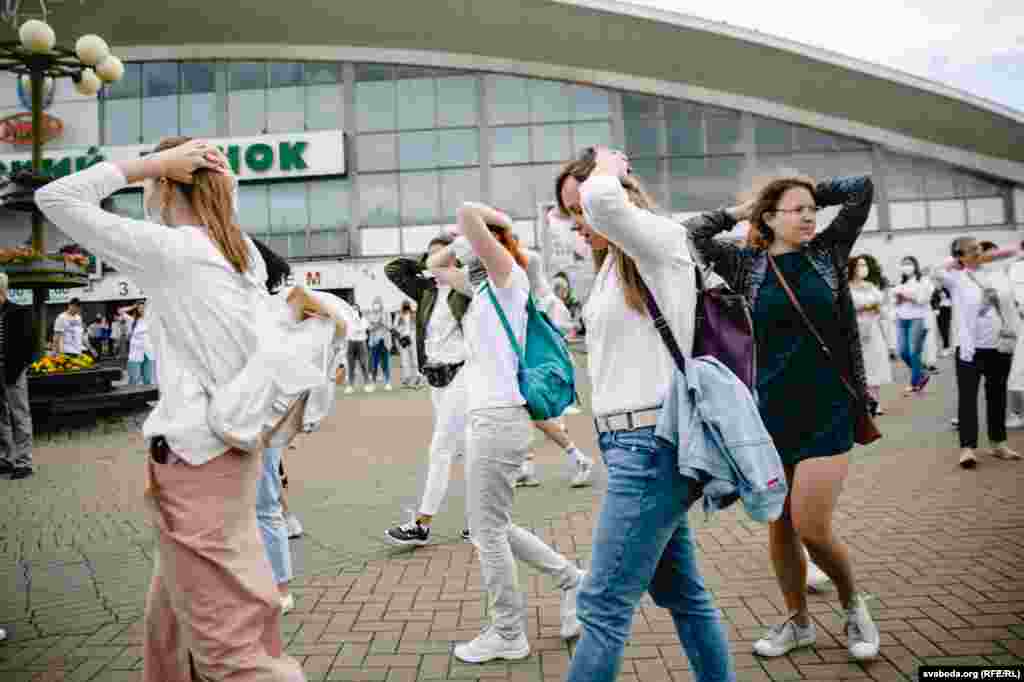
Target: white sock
{"points": [[575, 454]]}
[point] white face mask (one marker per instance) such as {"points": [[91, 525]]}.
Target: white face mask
{"points": [[907, 270]]}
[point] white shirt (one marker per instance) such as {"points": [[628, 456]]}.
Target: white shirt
{"points": [[139, 346], [630, 368], [492, 365], [977, 325], [919, 293], [359, 329], [205, 320], [444, 343], [71, 327]]}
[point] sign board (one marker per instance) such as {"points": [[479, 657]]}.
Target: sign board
{"points": [[17, 129], [266, 157]]}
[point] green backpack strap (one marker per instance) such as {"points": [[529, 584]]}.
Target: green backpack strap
{"points": [[508, 328]]}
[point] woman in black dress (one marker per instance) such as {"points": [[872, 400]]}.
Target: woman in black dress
{"points": [[801, 397]]}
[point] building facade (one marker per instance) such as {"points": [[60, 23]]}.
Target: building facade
{"points": [[346, 163]]}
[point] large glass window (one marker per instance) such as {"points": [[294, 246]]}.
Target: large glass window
{"points": [[549, 101], [330, 215], [247, 98], [417, 100], [459, 97], [324, 108], [199, 106], [122, 121], [458, 185], [253, 208], [286, 98], [510, 145], [723, 130], [458, 147], [590, 134], [685, 129], [375, 97], [703, 183], [377, 152], [551, 143], [642, 136], [420, 198], [508, 100], [378, 199], [590, 103], [159, 100], [417, 149], [289, 215], [510, 190]]}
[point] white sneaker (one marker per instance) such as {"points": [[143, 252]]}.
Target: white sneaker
{"points": [[584, 469], [287, 603], [387, 387], [783, 638], [862, 636], [967, 459], [817, 581], [1003, 451], [349, 390], [570, 624], [1015, 421], [369, 388], [489, 645], [527, 477], [294, 526]]}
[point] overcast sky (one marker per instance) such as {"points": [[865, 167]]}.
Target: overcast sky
{"points": [[976, 46]]}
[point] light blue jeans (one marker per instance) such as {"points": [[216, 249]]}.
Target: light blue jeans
{"points": [[140, 372], [642, 543], [910, 336], [270, 516]]}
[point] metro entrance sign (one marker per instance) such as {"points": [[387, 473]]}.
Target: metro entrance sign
{"points": [[267, 157]]}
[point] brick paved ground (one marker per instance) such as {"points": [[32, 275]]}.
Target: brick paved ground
{"points": [[940, 549]]}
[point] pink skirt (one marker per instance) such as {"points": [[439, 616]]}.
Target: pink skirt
{"points": [[213, 607]]}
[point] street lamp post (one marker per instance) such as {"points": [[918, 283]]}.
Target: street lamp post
{"points": [[38, 61]]}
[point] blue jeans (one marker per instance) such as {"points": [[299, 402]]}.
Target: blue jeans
{"points": [[380, 357], [141, 372], [642, 543], [910, 335], [270, 516]]}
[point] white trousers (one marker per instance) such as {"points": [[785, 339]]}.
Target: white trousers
{"points": [[449, 438]]}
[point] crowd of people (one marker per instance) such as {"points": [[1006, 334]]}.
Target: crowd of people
{"points": [[244, 364]]}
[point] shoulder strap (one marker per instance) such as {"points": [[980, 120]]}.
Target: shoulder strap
{"points": [[810, 327], [504, 323], [661, 324]]}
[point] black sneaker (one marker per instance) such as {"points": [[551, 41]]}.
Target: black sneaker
{"points": [[465, 535], [411, 533], [21, 472]]}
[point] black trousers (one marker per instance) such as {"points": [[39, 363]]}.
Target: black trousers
{"points": [[995, 368], [943, 319]]}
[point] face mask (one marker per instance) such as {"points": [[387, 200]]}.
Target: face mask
{"points": [[907, 270]]}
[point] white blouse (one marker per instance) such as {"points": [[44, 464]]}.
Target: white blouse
{"points": [[630, 367], [205, 320]]}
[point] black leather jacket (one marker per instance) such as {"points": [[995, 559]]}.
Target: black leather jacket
{"points": [[18, 340]]}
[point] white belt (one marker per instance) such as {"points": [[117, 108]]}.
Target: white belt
{"points": [[627, 421]]}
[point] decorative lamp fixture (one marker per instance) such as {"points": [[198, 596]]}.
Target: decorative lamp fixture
{"points": [[91, 49], [37, 36], [110, 69]]}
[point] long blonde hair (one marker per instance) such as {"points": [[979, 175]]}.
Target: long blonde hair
{"points": [[211, 197], [634, 289]]}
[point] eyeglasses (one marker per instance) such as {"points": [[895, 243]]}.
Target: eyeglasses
{"points": [[802, 210]]}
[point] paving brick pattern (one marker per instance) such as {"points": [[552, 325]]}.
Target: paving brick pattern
{"points": [[939, 549]]}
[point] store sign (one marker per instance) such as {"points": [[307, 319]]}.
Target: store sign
{"points": [[111, 287], [17, 129], [267, 157]]}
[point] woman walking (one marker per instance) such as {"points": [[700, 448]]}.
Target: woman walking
{"points": [[406, 329], [499, 431], [213, 611], [913, 306], [986, 336], [642, 541], [358, 352], [813, 435], [867, 302], [140, 348], [380, 331]]}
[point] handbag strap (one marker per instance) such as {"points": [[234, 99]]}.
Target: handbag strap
{"points": [[996, 303], [504, 323], [661, 324], [814, 330]]}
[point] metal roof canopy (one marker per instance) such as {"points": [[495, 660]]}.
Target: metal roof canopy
{"points": [[600, 36]]}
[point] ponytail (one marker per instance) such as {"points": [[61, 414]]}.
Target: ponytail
{"points": [[211, 196]]}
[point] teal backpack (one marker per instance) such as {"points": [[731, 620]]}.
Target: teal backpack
{"points": [[547, 378]]}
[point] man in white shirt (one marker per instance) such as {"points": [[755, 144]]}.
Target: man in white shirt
{"points": [[69, 331]]}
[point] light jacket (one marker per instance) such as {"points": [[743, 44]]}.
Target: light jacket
{"points": [[724, 443]]}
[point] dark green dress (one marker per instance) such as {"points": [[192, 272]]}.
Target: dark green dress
{"points": [[803, 403]]}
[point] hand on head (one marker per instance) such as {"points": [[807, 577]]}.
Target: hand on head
{"points": [[181, 162]]}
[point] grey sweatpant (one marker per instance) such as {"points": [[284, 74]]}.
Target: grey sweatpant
{"points": [[16, 424], [496, 446]]}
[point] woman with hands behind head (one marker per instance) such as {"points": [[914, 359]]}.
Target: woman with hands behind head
{"points": [[208, 313]]}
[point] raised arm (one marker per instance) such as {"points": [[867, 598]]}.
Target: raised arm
{"points": [[723, 256], [138, 246], [473, 219], [854, 194], [407, 275]]}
